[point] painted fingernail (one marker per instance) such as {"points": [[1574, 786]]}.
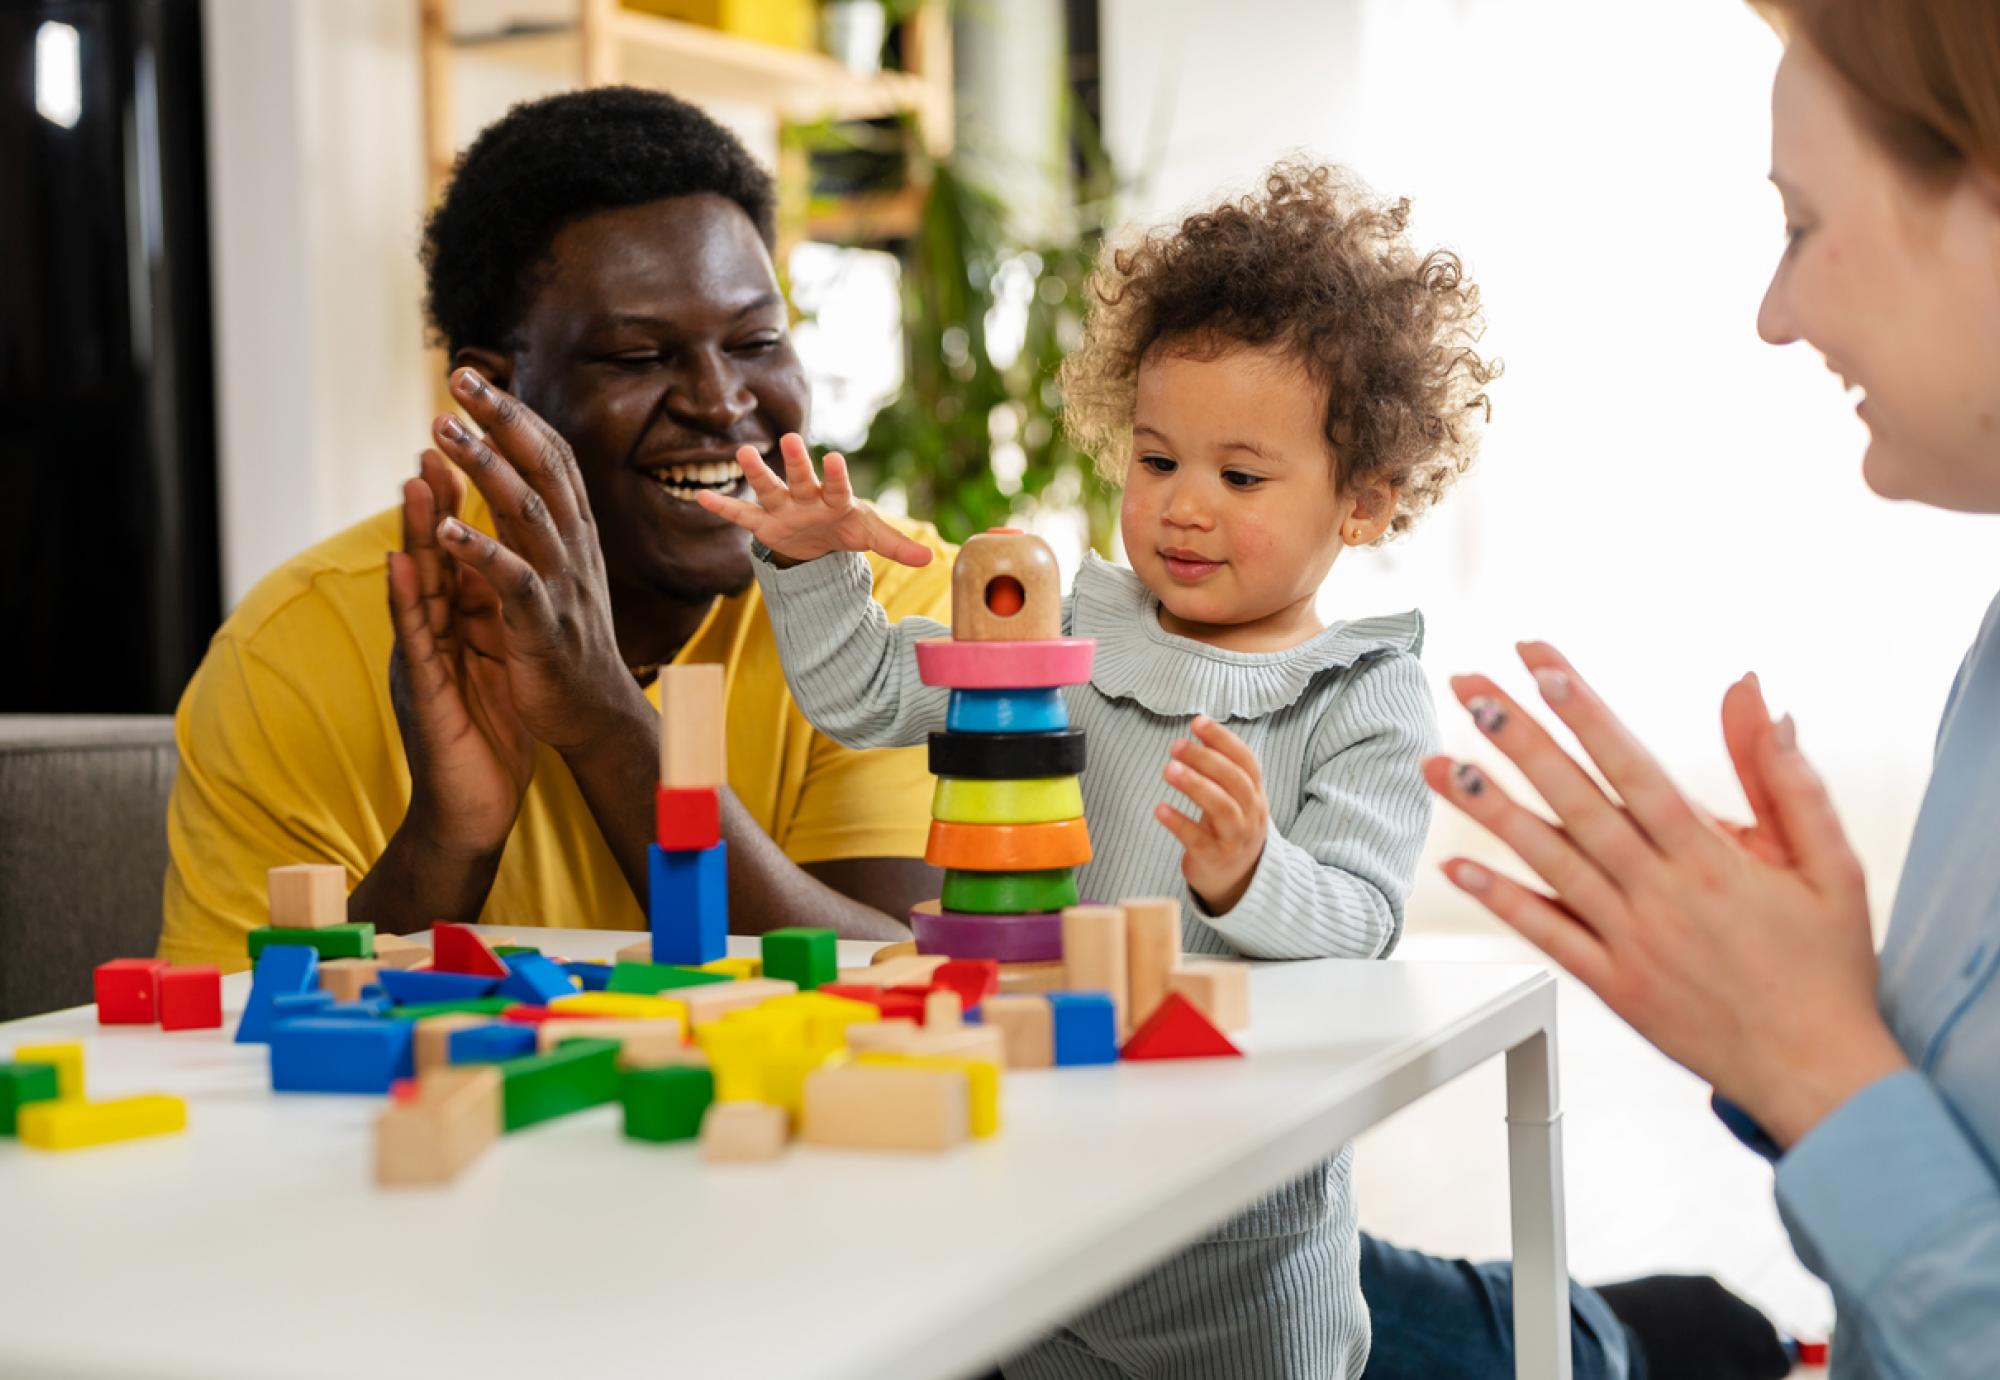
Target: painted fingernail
{"points": [[1487, 713], [470, 383], [454, 431], [1785, 734], [1555, 684], [1472, 876], [1468, 778]]}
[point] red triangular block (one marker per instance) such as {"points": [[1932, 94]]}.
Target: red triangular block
{"points": [[458, 949], [1177, 1029]]}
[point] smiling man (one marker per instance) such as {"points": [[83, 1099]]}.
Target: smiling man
{"points": [[604, 257]]}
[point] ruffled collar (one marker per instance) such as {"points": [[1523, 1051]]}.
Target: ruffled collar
{"points": [[1139, 660]]}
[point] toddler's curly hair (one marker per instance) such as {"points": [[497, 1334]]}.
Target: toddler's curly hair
{"points": [[1318, 266]]}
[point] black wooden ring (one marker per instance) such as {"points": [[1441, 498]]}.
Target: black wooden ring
{"points": [[1007, 756]]}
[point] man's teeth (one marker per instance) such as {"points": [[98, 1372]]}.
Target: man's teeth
{"points": [[685, 481]]}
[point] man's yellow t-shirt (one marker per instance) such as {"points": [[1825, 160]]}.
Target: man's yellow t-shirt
{"points": [[290, 754]]}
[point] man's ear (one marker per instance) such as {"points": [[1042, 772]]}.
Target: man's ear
{"points": [[496, 368]]}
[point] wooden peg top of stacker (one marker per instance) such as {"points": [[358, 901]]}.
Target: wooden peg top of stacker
{"points": [[1006, 587]]}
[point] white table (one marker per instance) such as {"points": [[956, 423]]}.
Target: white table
{"points": [[255, 1244]]}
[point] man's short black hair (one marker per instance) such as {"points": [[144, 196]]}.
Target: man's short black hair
{"points": [[544, 164]]}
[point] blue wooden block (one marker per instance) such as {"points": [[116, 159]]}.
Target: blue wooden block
{"points": [[489, 1044], [374, 990], [283, 970], [313, 1054], [690, 904], [596, 976], [366, 1009], [535, 980], [1086, 1027], [1006, 711], [410, 988]]}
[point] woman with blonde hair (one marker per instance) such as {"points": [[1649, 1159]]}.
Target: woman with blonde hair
{"points": [[1744, 952]]}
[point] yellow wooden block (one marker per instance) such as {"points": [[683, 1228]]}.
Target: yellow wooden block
{"points": [[68, 1059], [630, 1006], [737, 1051], [1039, 800], [784, 1075], [982, 1083], [71, 1125], [738, 968]]}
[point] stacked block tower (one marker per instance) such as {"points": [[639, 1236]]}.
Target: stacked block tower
{"points": [[1007, 816], [688, 904]]}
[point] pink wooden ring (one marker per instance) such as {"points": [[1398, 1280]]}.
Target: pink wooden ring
{"points": [[1005, 665]]}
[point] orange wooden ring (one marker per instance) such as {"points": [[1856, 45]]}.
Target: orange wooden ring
{"points": [[1008, 847]]}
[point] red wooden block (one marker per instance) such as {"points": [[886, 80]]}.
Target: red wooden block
{"points": [[191, 998], [403, 1090], [128, 991], [687, 818], [459, 949], [1177, 1030], [908, 1001], [974, 979], [853, 991], [524, 1014]]}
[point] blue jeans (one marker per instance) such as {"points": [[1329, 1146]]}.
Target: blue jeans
{"points": [[1436, 1319]]}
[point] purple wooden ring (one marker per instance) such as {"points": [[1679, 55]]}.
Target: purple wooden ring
{"points": [[1005, 665], [1035, 938]]}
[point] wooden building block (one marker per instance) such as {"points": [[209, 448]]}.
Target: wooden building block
{"points": [[943, 1010], [1027, 1029], [307, 896], [622, 1006], [961, 1042], [285, 971], [65, 1124], [800, 955], [908, 970], [667, 1103], [22, 1083], [1005, 587], [66, 1059], [1008, 893], [641, 1044], [738, 968], [1033, 977], [462, 949], [1086, 1027], [327, 1054], [1220, 988], [1023, 800], [639, 952], [431, 1041], [1177, 1029], [693, 724], [1008, 847], [398, 951], [959, 665], [982, 1079], [687, 817], [127, 991], [191, 997], [1152, 947], [889, 1034], [328, 941], [1094, 955], [873, 1107], [345, 977], [1008, 756], [906, 948], [650, 979], [744, 1132], [687, 906], [448, 1124], [706, 1004], [539, 1087], [1006, 711]]}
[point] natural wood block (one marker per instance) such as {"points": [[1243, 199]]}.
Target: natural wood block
{"points": [[904, 949], [911, 970], [345, 977], [871, 1107], [641, 1044], [1005, 587], [639, 952], [432, 1038], [1027, 1029], [394, 951], [744, 1132], [943, 1011], [1094, 955], [1220, 988], [895, 1033], [964, 1042], [692, 726], [716, 1000], [430, 1139], [1152, 947], [307, 896], [982, 1080], [1033, 977]]}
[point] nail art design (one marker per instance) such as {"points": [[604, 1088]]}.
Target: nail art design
{"points": [[1487, 713], [1468, 778]]}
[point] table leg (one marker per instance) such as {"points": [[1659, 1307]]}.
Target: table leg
{"points": [[1535, 1168]]}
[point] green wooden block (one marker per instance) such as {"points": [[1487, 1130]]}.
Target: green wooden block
{"points": [[665, 1104], [471, 1006], [21, 1084], [502, 950], [650, 979], [804, 956], [332, 941], [1009, 893], [540, 1087]]}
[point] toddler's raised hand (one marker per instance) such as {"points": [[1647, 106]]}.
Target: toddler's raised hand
{"points": [[1219, 773], [800, 518]]}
